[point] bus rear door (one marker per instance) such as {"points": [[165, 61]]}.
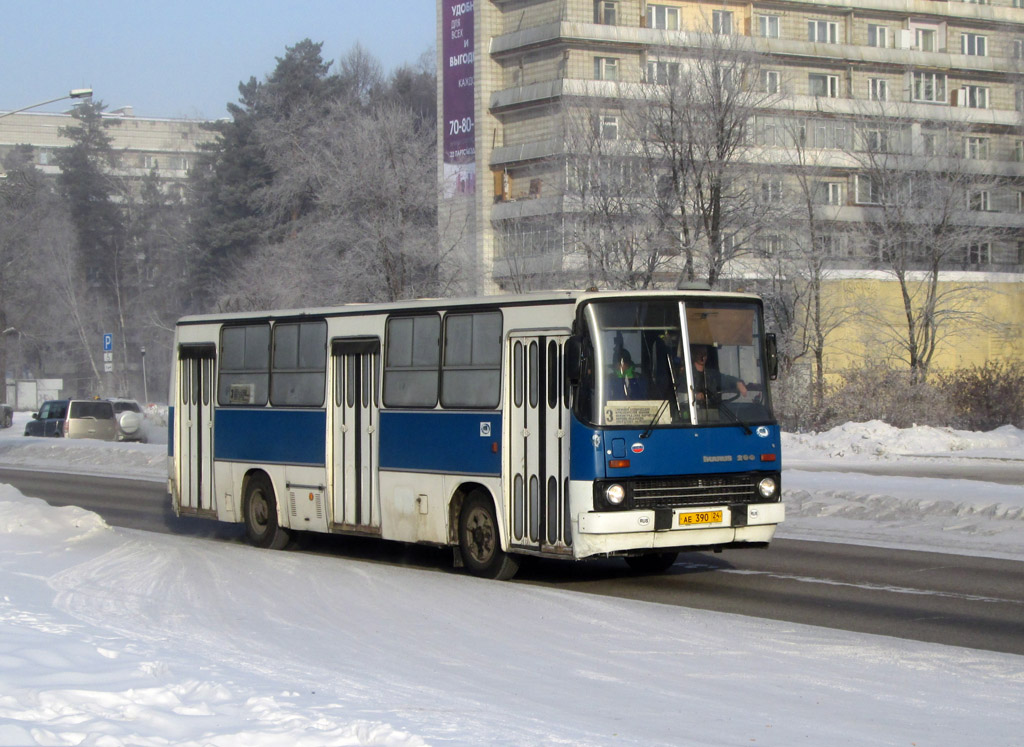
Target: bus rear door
{"points": [[194, 426]]}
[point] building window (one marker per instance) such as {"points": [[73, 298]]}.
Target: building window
{"points": [[1018, 49], [721, 21], [869, 190], [973, 44], [976, 148], [827, 133], [608, 127], [928, 146], [878, 36], [823, 85], [975, 97], [878, 89], [771, 246], [663, 17], [771, 81], [771, 190], [979, 254], [605, 11], [831, 193], [876, 141], [930, 87], [606, 68], [823, 31], [924, 39], [662, 73], [978, 200], [1020, 202], [768, 26], [1018, 100], [1018, 151]]}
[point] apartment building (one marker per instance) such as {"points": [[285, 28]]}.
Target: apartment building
{"points": [[842, 80], [142, 145]]}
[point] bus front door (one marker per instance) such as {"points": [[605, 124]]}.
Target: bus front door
{"points": [[538, 443], [194, 425], [354, 414]]}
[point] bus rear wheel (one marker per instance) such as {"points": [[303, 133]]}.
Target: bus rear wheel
{"points": [[657, 562], [480, 541], [259, 509]]}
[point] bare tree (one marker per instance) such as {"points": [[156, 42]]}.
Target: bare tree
{"points": [[693, 128], [925, 211], [609, 193]]}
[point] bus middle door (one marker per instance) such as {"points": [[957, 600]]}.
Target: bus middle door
{"points": [[353, 443]]}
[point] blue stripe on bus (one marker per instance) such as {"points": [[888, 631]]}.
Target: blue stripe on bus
{"points": [[667, 452], [441, 441], [271, 435]]}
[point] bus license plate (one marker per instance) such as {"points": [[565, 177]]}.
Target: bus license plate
{"points": [[700, 517]]}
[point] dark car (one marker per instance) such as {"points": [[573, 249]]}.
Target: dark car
{"points": [[49, 421], [6, 416]]}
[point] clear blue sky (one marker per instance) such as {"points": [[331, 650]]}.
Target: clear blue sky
{"points": [[185, 58]]}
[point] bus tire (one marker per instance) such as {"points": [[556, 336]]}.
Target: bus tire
{"points": [[480, 541], [259, 509], [657, 562]]}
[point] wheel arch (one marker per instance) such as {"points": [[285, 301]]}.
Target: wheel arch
{"points": [[455, 503], [250, 473]]}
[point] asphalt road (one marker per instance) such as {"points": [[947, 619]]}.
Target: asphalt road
{"points": [[951, 599]]}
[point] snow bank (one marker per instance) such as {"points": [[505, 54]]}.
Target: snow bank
{"points": [[879, 440]]}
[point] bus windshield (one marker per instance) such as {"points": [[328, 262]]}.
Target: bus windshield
{"points": [[643, 368]]}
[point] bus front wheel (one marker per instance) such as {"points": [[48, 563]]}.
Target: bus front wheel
{"points": [[480, 541], [260, 511]]}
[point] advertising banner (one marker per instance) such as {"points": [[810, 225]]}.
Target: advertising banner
{"points": [[459, 146]]}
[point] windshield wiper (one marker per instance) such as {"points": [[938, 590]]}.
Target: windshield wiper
{"points": [[736, 419], [657, 417]]}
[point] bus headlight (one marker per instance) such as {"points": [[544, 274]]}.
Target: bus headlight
{"points": [[615, 494], [766, 487]]}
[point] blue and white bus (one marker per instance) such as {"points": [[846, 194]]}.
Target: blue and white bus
{"points": [[566, 425]]}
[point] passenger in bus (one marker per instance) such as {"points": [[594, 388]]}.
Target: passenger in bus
{"points": [[709, 382], [624, 383]]}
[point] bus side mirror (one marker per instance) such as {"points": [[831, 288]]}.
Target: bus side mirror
{"points": [[771, 349], [573, 359]]}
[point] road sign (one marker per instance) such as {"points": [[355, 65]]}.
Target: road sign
{"points": [[108, 342], [108, 368], [108, 357]]}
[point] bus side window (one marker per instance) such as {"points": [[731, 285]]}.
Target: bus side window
{"points": [[471, 369], [244, 365], [300, 364], [411, 361]]}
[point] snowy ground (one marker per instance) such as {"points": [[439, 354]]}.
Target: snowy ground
{"points": [[115, 637]]}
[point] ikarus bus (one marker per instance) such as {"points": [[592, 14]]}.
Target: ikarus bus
{"points": [[564, 425]]}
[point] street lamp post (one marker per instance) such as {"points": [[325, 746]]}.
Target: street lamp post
{"points": [[74, 93], [145, 385]]}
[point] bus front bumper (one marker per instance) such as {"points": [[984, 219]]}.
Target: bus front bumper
{"points": [[603, 532]]}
